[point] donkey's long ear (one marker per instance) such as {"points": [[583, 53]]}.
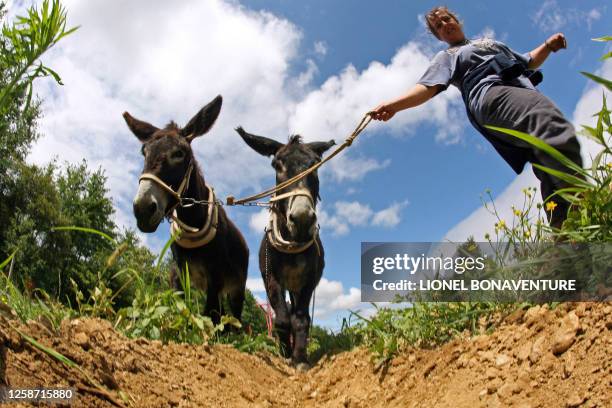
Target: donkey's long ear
{"points": [[203, 120], [142, 130], [260, 144], [320, 147]]}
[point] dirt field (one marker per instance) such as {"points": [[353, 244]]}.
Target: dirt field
{"points": [[537, 358]]}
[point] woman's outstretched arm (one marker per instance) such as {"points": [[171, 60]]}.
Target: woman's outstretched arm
{"points": [[553, 44], [415, 96]]}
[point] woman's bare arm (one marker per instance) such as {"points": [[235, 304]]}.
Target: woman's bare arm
{"points": [[539, 54], [415, 96]]}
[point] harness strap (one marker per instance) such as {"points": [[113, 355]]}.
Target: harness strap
{"points": [[176, 194], [190, 237], [282, 245], [297, 192]]}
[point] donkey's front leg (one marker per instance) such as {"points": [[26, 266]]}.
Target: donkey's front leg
{"points": [[282, 322], [213, 307], [300, 324]]}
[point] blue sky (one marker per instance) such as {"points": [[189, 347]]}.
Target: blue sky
{"points": [[313, 68]]}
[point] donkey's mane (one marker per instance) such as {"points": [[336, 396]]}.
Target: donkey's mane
{"points": [[295, 139], [171, 126]]}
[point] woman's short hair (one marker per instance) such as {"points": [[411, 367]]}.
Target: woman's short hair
{"points": [[432, 14]]}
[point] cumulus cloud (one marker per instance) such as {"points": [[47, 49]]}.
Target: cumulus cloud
{"points": [[331, 298], [482, 221], [389, 217], [306, 77], [355, 214], [551, 17], [259, 220], [487, 32], [354, 168], [320, 48], [334, 109]]}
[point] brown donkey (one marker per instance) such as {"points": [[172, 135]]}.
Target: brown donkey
{"points": [[172, 185], [291, 255]]}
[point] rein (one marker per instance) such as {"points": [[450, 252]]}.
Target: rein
{"points": [[249, 200]]}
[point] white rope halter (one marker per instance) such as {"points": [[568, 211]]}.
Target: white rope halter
{"points": [[273, 232], [188, 236]]}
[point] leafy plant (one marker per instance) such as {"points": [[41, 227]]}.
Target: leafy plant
{"points": [[29, 37], [424, 324], [39, 307]]}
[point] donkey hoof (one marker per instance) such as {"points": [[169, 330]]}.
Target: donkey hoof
{"points": [[302, 367]]}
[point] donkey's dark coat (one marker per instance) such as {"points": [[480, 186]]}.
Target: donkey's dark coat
{"points": [[219, 267], [298, 273]]}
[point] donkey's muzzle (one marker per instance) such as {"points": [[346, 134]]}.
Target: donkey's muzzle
{"points": [[146, 212], [302, 224], [149, 206]]}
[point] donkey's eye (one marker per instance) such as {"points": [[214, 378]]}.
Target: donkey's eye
{"points": [[142, 151], [178, 154]]}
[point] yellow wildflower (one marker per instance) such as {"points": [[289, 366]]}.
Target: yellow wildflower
{"points": [[517, 212], [551, 205], [502, 224]]}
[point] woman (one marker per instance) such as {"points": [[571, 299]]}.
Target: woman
{"points": [[497, 86]]}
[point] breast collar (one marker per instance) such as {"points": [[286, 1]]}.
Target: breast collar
{"points": [[191, 237]]}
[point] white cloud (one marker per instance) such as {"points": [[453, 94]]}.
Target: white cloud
{"points": [[355, 214], [389, 217], [305, 77], [337, 226], [486, 32], [320, 48], [332, 298], [333, 110], [551, 17], [482, 221], [256, 285], [353, 169], [259, 220]]}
